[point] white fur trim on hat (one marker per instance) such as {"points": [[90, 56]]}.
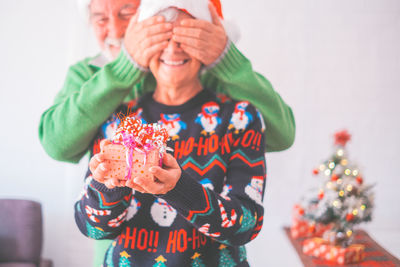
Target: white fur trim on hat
{"points": [[197, 8]]}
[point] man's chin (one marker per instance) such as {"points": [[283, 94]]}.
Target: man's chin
{"points": [[111, 53]]}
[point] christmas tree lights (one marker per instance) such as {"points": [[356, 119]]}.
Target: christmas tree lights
{"points": [[342, 199]]}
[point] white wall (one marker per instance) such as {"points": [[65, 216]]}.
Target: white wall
{"points": [[335, 62]]}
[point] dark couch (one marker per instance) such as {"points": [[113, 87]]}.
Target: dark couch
{"points": [[21, 234]]}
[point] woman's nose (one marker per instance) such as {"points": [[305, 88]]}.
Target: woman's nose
{"points": [[173, 46]]}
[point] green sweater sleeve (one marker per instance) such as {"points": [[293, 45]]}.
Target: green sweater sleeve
{"points": [[86, 100], [234, 76]]}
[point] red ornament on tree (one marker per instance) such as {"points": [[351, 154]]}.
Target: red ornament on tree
{"points": [[334, 177], [342, 137], [311, 228], [349, 217], [321, 194], [315, 171], [359, 179], [301, 211]]}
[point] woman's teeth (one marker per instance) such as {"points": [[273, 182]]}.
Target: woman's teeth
{"points": [[174, 63]]}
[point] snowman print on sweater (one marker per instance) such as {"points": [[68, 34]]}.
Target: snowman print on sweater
{"points": [[133, 208], [162, 213], [254, 189]]}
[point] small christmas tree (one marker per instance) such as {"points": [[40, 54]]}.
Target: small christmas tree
{"points": [[225, 258], [247, 220], [160, 261], [124, 260], [95, 232], [197, 261], [343, 199]]}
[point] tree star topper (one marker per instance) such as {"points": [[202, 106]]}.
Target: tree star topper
{"points": [[196, 255], [161, 259], [124, 254], [342, 137]]}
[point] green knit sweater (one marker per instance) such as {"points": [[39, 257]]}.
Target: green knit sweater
{"points": [[90, 94]]}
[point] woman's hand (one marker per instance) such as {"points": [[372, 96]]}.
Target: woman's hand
{"points": [[147, 38], [201, 39], [165, 178], [99, 169]]}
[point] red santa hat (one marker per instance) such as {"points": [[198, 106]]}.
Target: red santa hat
{"points": [[197, 8]]}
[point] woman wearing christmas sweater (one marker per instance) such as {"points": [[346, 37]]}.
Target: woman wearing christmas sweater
{"points": [[96, 86], [207, 200]]}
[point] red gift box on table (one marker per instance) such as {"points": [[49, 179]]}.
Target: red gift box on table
{"points": [[117, 158], [322, 249], [312, 246], [297, 212], [302, 228]]}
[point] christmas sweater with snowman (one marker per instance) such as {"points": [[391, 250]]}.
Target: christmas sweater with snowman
{"points": [[215, 207]]}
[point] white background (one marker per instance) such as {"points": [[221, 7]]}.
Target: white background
{"points": [[336, 63]]}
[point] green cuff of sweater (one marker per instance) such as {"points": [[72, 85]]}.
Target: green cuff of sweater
{"points": [[230, 64], [124, 69]]}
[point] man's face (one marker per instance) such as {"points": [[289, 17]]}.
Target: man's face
{"points": [[109, 19]]}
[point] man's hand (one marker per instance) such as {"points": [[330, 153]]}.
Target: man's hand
{"points": [[166, 177], [147, 38], [201, 39]]}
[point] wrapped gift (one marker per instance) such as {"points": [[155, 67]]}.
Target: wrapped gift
{"points": [[351, 254], [134, 149], [123, 164], [297, 212], [312, 246], [301, 228], [322, 249]]}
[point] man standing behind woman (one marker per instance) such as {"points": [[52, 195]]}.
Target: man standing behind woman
{"points": [[204, 203], [96, 86]]}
